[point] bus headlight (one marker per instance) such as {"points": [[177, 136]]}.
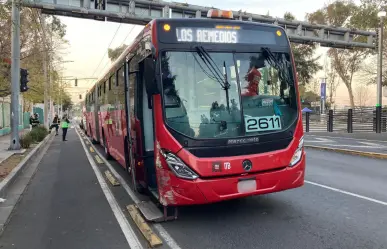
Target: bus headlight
{"points": [[178, 167], [298, 153]]}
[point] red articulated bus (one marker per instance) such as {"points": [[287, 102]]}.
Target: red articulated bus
{"points": [[91, 116], [202, 110]]}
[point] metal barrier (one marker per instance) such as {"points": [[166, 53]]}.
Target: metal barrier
{"points": [[350, 120]]}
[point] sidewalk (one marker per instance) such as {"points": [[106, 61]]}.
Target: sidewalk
{"points": [[4, 145], [64, 205]]}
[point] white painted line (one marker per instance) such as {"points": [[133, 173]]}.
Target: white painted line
{"points": [[167, 238], [348, 138], [323, 140], [373, 144], [128, 231], [163, 233], [354, 146], [348, 193]]}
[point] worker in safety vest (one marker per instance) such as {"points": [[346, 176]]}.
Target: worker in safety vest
{"points": [[65, 125]]}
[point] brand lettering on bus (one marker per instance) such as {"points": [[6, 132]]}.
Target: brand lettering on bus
{"points": [[243, 140]]}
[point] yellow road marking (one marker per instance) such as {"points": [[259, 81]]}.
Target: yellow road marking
{"points": [[91, 149], [111, 178], [98, 159], [149, 235]]}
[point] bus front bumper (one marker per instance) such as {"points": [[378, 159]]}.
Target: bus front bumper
{"points": [[202, 191]]}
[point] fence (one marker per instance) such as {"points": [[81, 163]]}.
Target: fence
{"points": [[5, 117], [346, 120]]}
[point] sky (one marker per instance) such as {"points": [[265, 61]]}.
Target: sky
{"points": [[89, 40]]}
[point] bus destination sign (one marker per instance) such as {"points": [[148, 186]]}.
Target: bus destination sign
{"points": [[218, 34], [206, 35]]}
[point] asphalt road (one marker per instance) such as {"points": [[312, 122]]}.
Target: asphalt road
{"points": [[64, 206], [351, 143], [342, 205]]}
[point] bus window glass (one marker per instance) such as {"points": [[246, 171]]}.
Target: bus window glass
{"points": [[198, 104], [202, 111]]}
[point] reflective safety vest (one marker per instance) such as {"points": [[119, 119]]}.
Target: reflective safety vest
{"points": [[65, 124]]}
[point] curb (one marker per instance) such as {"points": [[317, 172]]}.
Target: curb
{"points": [[351, 152], [10, 178]]}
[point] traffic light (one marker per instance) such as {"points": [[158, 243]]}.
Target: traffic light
{"points": [[76, 82], [23, 80]]}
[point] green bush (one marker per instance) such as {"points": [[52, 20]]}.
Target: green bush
{"points": [[26, 140], [38, 133]]}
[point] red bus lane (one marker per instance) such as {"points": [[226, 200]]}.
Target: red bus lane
{"points": [[195, 135]]}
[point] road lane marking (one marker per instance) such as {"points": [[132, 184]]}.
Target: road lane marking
{"points": [[373, 144], [98, 159], [127, 230], [111, 178], [149, 235], [348, 138], [347, 193], [161, 230], [166, 236], [350, 152], [320, 140], [355, 146]]}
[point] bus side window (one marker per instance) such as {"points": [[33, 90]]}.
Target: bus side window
{"points": [[132, 84]]}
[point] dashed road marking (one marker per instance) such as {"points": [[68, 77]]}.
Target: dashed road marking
{"points": [[150, 236], [162, 232], [111, 178], [348, 193], [98, 159], [127, 230]]}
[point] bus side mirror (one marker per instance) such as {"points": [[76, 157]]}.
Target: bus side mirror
{"points": [[150, 77]]}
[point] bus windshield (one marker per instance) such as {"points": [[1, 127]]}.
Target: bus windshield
{"points": [[225, 95]]}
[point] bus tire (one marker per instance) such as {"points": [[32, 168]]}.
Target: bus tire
{"points": [[105, 148]]}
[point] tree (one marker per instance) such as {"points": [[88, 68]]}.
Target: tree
{"points": [[66, 101], [367, 18], [306, 64], [39, 35], [332, 84], [362, 94], [345, 62], [113, 54]]}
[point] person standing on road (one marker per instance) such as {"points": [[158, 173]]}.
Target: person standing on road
{"points": [[65, 125], [55, 124]]}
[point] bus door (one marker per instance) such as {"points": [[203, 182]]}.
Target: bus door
{"points": [[140, 125]]}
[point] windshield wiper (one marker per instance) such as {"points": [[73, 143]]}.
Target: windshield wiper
{"points": [[280, 65], [226, 86], [215, 71]]}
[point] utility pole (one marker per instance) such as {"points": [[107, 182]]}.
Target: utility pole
{"points": [[379, 96], [45, 71], [15, 76], [50, 116]]}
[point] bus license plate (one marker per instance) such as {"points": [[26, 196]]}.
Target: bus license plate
{"points": [[246, 186]]}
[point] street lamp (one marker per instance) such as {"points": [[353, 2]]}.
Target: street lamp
{"points": [[381, 15]]}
